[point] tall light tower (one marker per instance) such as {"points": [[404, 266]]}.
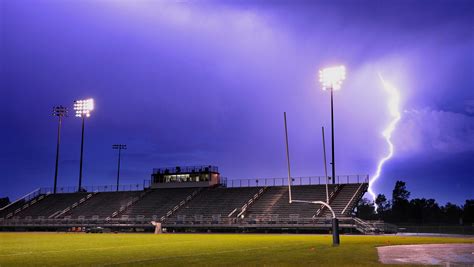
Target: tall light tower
{"points": [[119, 147], [83, 110], [60, 112], [331, 79]]}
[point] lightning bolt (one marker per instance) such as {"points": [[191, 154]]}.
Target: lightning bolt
{"points": [[394, 110]]}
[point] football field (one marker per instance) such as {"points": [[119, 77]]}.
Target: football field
{"points": [[52, 249]]}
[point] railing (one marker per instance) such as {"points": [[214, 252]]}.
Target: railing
{"points": [[352, 198], [24, 198], [186, 200], [96, 188], [185, 169], [59, 213], [196, 220], [127, 205], [374, 227], [363, 226], [309, 180], [331, 197], [249, 203]]}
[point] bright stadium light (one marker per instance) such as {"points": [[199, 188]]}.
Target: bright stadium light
{"points": [[83, 110], [331, 78]]}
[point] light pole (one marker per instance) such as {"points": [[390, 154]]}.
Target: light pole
{"points": [[331, 79], [60, 112], [119, 147], [83, 109]]}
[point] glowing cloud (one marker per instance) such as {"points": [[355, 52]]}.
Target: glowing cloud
{"points": [[394, 110]]}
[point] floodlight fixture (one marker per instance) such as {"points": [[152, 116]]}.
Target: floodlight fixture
{"points": [[83, 108], [331, 78], [60, 111], [119, 146]]}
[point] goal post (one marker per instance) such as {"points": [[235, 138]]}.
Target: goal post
{"points": [[334, 221]]}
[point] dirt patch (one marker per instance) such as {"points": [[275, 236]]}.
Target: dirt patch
{"points": [[430, 254]]}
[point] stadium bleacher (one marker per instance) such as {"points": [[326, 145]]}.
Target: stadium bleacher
{"points": [[345, 199], [274, 203], [51, 204], [235, 206], [101, 205], [157, 202], [214, 203]]}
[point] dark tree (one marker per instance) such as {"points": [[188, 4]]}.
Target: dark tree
{"points": [[400, 192], [468, 212], [400, 203], [4, 201], [365, 209], [424, 211], [382, 203], [452, 213]]}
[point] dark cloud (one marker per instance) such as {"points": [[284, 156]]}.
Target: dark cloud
{"points": [[207, 82]]}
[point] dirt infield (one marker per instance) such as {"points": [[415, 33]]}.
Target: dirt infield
{"points": [[430, 254]]}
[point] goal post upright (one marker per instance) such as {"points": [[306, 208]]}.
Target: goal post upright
{"points": [[334, 221], [288, 159]]}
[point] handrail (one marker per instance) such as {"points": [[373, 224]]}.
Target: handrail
{"points": [[30, 202], [22, 198], [60, 213], [244, 208], [129, 203], [318, 202], [307, 180], [96, 188], [352, 198], [331, 198], [181, 203], [231, 213]]}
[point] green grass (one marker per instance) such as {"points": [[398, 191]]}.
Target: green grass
{"points": [[46, 249]]}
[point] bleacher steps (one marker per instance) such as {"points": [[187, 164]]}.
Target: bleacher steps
{"points": [[60, 213], [181, 204]]}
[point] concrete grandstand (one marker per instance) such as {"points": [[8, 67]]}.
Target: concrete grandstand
{"points": [[204, 202]]}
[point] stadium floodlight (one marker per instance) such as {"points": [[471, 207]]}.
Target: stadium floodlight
{"points": [[331, 79], [84, 107], [83, 110], [60, 112], [119, 147]]}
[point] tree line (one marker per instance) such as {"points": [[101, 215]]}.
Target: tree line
{"points": [[402, 209]]}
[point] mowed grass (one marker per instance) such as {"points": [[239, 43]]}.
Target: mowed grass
{"points": [[51, 249]]}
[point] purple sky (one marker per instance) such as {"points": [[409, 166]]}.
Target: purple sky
{"points": [[207, 83]]}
